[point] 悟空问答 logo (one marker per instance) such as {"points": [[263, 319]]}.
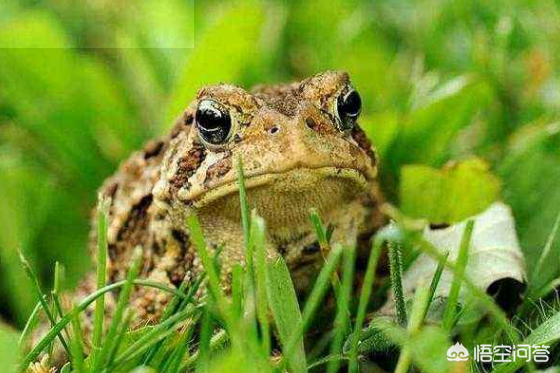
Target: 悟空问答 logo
{"points": [[457, 352]]}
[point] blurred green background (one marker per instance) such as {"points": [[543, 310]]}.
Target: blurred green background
{"points": [[440, 80]]}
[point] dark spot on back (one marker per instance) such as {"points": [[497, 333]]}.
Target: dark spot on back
{"points": [[183, 123], [111, 190], [156, 247], [189, 117], [188, 164], [175, 131], [182, 238], [153, 148], [134, 232], [136, 220], [112, 251]]}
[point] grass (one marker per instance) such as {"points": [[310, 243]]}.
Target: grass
{"points": [[261, 326], [363, 304], [451, 306], [395, 262], [101, 279]]}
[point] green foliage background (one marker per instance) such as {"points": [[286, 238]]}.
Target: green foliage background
{"points": [[441, 80]]}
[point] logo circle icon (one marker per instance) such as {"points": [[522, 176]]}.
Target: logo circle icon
{"points": [[457, 352]]}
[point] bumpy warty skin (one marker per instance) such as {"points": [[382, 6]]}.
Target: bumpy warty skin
{"points": [[298, 152], [295, 157]]}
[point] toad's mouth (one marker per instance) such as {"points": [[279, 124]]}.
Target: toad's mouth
{"points": [[284, 199]]}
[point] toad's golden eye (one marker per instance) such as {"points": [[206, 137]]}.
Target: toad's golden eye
{"points": [[213, 122], [348, 106]]}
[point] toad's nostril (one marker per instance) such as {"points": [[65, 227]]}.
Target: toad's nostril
{"points": [[311, 123], [274, 130]]}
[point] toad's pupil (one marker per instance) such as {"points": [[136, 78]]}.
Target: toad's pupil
{"points": [[214, 124], [349, 105]]}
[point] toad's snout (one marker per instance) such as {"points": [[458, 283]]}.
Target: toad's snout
{"points": [[308, 139]]}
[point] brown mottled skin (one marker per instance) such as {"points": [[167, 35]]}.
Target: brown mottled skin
{"points": [[295, 157]]}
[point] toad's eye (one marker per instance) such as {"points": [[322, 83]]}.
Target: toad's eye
{"points": [[213, 122], [348, 106]]}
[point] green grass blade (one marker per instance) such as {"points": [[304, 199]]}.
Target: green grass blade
{"points": [[435, 282], [258, 238], [327, 360], [395, 262], [232, 323], [29, 325], [101, 273], [58, 311], [405, 359], [321, 284], [111, 338], [60, 325], [217, 342], [77, 343], [437, 275], [204, 342], [365, 296], [323, 239], [544, 254], [421, 303], [175, 305], [317, 294], [144, 344], [543, 292], [319, 229], [39, 293], [214, 284], [549, 243], [58, 278], [237, 274], [547, 333], [285, 310], [245, 218], [55, 308], [181, 350], [207, 262], [180, 302], [460, 266], [342, 319], [123, 329], [158, 333], [250, 322]]}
